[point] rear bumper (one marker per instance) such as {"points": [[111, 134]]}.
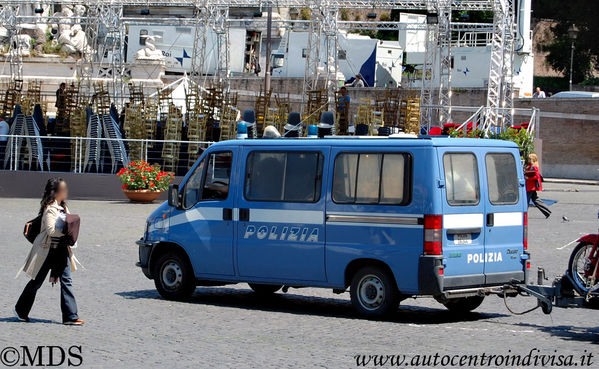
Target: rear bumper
{"points": [[430, 282], [145, 253], [483, 280]]}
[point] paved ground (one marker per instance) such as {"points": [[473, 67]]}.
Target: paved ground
{"points": [[129, 325]]}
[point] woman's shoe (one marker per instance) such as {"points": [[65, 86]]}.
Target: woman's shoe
{"points": [[19, 316], [74, 322]]}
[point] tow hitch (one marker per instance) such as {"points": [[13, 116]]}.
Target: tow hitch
{"points": [[561, 293]]}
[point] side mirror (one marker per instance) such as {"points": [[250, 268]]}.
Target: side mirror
{"points": [[173, 196]]}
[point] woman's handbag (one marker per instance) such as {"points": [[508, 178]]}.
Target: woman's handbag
{"points": [[33, 228]]}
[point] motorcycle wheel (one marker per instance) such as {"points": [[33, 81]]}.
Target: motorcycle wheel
{"points": [[576, 268]]}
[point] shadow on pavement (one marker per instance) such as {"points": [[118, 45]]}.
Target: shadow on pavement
{"points": [[567, 332], [309, 305], [13, 319]]}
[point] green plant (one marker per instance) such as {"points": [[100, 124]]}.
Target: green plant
{"points": [[305, 14], [51, 46], [590, 82], [471, 133], [385, 17], [344, 14], [139, 175], [521, 137]]}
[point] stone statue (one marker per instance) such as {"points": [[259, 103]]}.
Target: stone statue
{"points": [[37, 29], [23, 44], [149, 52], [71, 37]]}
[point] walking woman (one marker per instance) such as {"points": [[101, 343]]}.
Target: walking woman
{"points": [[534, 183], [47, 253]]}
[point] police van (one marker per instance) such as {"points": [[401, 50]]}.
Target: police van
{"points": [[388, 218]]}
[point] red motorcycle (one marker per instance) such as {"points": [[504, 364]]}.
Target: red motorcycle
{"points": [[583, 267]]}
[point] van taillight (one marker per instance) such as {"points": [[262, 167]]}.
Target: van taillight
{"points": [[525, 235], [433, 235]]}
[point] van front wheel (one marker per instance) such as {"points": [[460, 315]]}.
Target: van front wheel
{"points": [[373, 292], [173, 277], [463, 305]]}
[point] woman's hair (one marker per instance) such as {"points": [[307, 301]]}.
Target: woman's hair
{"points": [[50, 192], [533, 159]]}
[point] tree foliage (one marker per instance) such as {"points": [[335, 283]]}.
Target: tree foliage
{"points": [[582, 13]]}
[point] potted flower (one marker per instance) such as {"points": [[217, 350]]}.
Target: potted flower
{"points": [[143, 182]]}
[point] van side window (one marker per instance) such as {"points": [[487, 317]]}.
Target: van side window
{"points": [[210, 180], [283, 176], [372, 178], [218, 175], [192, 192], [461, 179], [502, 178]]}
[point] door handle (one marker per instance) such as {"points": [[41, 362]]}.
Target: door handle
{"points": [[244, 215], [227, 214], [490, 219]]}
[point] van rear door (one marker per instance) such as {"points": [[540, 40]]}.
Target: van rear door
{"points": [[505, 205], [463, 217]]}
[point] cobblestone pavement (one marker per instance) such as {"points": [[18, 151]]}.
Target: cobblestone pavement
{"points": [[129, 325]]}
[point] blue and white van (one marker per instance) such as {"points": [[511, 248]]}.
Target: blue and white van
{"points": [[388, 218]]}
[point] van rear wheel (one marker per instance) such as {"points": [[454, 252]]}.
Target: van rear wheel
{"points": [[173, 276], [265, 289], [463, 305], [373, 292]]}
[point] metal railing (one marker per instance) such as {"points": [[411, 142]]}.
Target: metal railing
{"points": [[68, 154], [480, 118]]}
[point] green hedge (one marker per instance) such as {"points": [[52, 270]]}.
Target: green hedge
{"points": [[551, 84]]}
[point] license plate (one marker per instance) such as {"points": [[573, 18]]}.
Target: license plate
{"points": [[462, 239]]}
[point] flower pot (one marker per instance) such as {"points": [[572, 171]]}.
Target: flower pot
{"points": [[142, 196]]}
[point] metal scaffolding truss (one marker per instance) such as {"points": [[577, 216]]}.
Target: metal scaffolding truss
{"points": [[499, 92], [350, 4], [210, 18], [322, 25], [9, 19], [426, 94], [103, 55], [444, 42], [105, 28]]}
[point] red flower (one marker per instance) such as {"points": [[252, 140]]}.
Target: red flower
{"points": [[123, 187], [152, 185], [144, 178]]}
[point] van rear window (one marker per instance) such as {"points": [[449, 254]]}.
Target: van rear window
{"points": [[372, 178], [283, 176], [461, 179], [502, 178]]}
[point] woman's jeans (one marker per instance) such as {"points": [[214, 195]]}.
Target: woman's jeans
{"points": [[68, 305]]}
